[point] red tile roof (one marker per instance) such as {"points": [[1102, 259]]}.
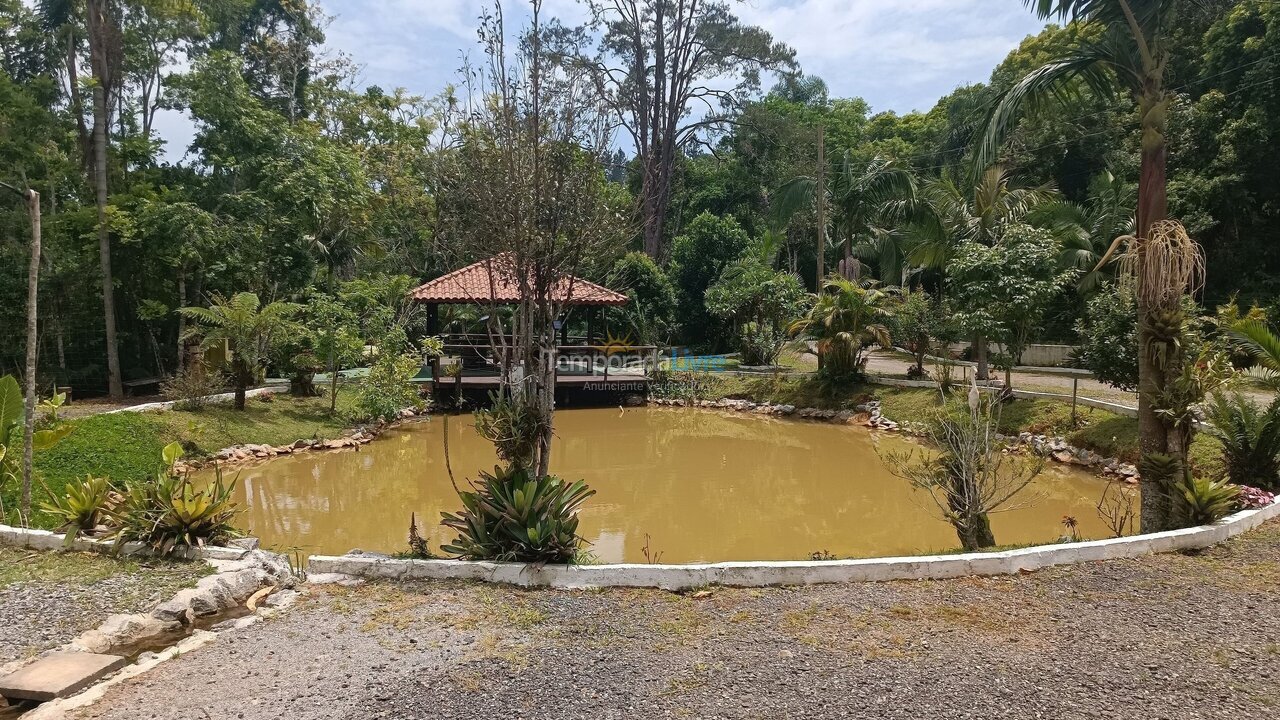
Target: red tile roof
{"points": [[472, 284]]}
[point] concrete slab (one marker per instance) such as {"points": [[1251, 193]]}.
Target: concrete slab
{"points": [[58, 675]]}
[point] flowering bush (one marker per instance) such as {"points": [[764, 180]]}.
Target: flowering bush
{"points": [[1252, 497]]}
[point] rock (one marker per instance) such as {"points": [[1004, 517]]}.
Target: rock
{"points": [[58, 675], [1062, 456], [786, 409], [248, 543], [844, 416], [301, 444], [176, 609], [130, 629], [284, 598], [213, 594]]}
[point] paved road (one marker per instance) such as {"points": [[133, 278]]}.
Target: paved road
{"points": [[1163, 637]]}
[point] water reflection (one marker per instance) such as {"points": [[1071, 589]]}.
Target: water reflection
{"points": [[705, 486]]}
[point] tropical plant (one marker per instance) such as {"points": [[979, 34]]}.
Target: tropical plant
{"points": [[651, 313], [1129, 45], [1253, 337], [760, 302], [1252, 498], [845, 320], [1201, 501], [1002, 291], [971, 476], [512, 431], [953, 215], [1087, 230], [514, 515], [918, 322], [11, 418], [170, 512], [81, 508], [1249, 437], [866, 199], [247, 326]]}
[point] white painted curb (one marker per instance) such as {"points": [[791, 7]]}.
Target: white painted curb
{"points": [[221, 398], [46, 540], [758, 574]]}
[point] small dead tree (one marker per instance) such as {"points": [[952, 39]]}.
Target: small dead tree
{"points": [[522, 186], [1115, 507], [970, 476]]}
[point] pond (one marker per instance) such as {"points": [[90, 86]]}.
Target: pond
{"points": [[692, 485]]}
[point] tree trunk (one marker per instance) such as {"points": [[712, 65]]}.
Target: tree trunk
{"points": [[182, 320], [97, 53], [1153, 207], [980, 355], [977, 534], [243, 378], [820, 192], [33, 338]]}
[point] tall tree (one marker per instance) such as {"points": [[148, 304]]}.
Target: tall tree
{"points": [[525, 193], [673, 70], [951, 215], [865, 199], [1132, 48], [103, 29]]}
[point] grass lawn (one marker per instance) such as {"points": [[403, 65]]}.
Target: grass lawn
{"points": [[1104, 432], [18, 565], [126, 446]]}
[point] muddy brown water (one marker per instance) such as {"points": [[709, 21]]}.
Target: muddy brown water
{"points": [[691, 486]]}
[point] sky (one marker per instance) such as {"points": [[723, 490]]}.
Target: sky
{"points": [[899, 55]]}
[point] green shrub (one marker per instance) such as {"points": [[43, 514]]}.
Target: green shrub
{"points": [[513, 515], [1249, 437], [387, 389]]}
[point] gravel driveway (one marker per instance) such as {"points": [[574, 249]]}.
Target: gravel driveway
{"points": [[46, 599], [1162, 637]]}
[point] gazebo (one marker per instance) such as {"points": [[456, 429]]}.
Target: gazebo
{"points": [[492, 281]]}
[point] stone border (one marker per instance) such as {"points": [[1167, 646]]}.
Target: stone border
{"points": [[249, 453], [760, 574]]}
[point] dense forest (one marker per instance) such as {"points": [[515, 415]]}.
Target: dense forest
{"points": [[301, 184]]}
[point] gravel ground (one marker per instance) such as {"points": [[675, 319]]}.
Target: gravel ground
{"points": [[46, 599], [1162, 637]]}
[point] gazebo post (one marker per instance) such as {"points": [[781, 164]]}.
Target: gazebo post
{"points": [[433, 329], [591, 324]]}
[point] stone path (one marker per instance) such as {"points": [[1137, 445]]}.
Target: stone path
{"points": [[1161, 637]]}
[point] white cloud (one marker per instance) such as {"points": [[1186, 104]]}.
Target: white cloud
{"points": [[898, 55]]}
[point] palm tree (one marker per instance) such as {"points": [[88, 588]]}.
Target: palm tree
{"points": [[1131, 51], [247, 326], [1256, 339], [1087, 230], [864, 198], [844, 320], [950, 214]]}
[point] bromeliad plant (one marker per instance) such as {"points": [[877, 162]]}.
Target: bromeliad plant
{"points": [[515, 515], [82, 508], [171, 512]]}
